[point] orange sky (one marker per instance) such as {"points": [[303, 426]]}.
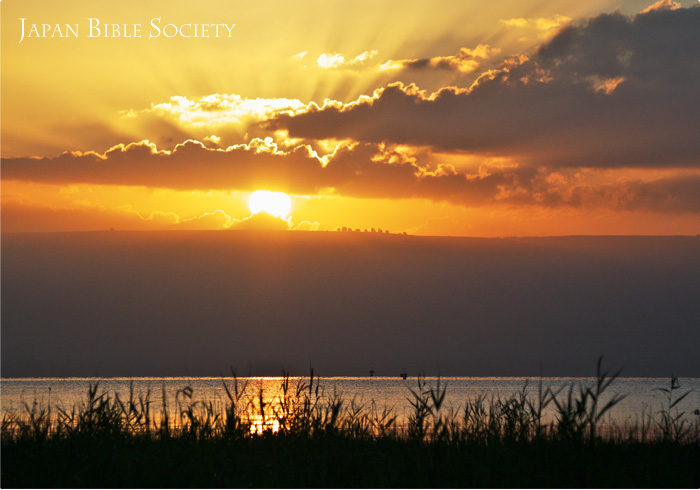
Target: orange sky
{"points": [[447, 118]]}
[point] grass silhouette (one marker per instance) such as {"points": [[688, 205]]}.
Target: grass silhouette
{"points": [[304, 438]]}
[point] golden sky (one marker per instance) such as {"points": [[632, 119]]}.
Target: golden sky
{"points": [[435, 118]]}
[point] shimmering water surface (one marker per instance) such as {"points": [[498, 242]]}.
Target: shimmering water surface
{"points": [[642, 395]]}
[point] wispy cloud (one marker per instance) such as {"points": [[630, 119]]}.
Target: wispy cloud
{"points": [[337, 60], [545, 26], [465, 61]]}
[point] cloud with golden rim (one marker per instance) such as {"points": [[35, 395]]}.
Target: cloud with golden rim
{"points": [[611, 92], [465, 61], [361, 170], [218, 120], [662, 5], [214, 112]]}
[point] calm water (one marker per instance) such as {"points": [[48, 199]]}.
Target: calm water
{"points": [[641, 393]]}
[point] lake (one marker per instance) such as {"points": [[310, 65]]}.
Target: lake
{"points": [[642, 395]]}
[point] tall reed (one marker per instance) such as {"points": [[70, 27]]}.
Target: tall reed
{"points": [[302, 408]]}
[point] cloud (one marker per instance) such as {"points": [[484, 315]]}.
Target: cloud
{"points": [[465, 61], [189, 165], [362, 170], [674, 195], [219, 119], [218, 110], [547, 26], [213, 139], [308, 226], [235, 119], [214, 220], [328, 61], [22, 215], [662, 5], [262, 221], [611, 92]]}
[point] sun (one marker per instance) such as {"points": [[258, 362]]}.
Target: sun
{"points": [[275, 204]]}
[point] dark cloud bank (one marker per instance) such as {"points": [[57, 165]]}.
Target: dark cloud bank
{"points": [[364, 170], [176, 303], [610, 92]]}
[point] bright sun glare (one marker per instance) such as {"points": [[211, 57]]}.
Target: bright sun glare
{"points": [[275, 204]]}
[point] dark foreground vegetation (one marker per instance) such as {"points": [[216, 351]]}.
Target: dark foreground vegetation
{"points": [[307, 439]]}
